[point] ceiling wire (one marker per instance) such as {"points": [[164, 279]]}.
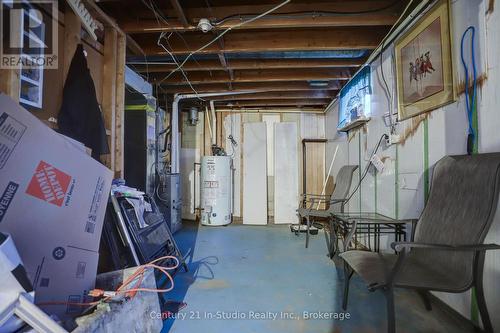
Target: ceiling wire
{"points": [[382, 46], [313, 13], [162, 35], [151, 6], [158, 13], [222, 34], [390, 94]]}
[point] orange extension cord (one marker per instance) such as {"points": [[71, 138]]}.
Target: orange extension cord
{"points": [[138, 274]]}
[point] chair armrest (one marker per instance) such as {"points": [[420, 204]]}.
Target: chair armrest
{"points": [[398, 246], [332, 201], [315, 196]]}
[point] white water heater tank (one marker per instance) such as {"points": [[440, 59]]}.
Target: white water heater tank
{"points": [[216, 190]]}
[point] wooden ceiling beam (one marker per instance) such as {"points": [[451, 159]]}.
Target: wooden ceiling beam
{"points": [[312, 14], [345, 38], [152, 25], [180, 13], [236, 64], [300, 94], [274, 102], [256, 76], [245, 86], [272, 109]]}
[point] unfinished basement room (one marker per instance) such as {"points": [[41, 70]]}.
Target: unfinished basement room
{"points": [[274, 166]]}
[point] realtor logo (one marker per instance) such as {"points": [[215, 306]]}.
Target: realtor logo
{"points": [[29, 34], [49, 184]]}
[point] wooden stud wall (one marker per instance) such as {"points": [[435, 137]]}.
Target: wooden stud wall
{"points": [[9, 83], [112, 87], [72, 37], [109, 92], [120, 105]]}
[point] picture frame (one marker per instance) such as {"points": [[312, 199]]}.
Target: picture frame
{"points": [[424, 64]]}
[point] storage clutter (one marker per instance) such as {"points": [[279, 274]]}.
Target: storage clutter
{"points": [[53, 203]]}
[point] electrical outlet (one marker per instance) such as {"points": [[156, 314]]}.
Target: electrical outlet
{"points": [[394, 138], [377, 163]]}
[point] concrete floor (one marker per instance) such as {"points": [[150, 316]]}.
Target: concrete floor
{"points": [[243, 272]]}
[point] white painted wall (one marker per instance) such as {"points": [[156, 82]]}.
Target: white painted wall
{"points": [[398, 191]]}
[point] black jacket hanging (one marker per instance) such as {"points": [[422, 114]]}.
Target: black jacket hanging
{"points": [[80, 116]]}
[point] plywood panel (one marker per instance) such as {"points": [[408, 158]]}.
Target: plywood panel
{"points": [[315, 168], [232, 126], [286, 173], [250, 117], [254, 174], [187, 158], [312, 126], [72, 37], [270, 120], [9, 83]]}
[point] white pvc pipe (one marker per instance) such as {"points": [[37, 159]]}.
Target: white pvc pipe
{"points": [[209, 123], [214, 122], [174, 123]]}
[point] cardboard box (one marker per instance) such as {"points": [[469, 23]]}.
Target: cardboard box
{"points": [[53, 199]]}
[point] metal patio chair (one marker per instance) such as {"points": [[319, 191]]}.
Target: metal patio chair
{"points": [[447, 253], [336, 202]]}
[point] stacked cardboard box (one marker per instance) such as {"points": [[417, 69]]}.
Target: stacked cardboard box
{"points": [[53, 198]]}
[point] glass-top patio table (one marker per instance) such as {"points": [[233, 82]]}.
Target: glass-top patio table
{"points": [[352, 224]]}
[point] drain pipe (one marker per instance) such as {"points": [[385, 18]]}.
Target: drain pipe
{"points": [[214, 122], [174, 123]]}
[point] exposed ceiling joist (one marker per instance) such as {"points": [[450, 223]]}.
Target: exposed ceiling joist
{"points": [[257, 76], [276, 102], [301, 94], [332, 13], [152, 26], [304, 94], [245, 86], [236, 64], [351, 38], [101, 15], [180, 13], [290, 57], [274, 109]]}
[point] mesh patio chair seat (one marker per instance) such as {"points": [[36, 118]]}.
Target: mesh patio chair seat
{"points": [[447, 253]]}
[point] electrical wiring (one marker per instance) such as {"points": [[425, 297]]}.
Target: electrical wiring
{"points": [[365, 172], [382, 45], [223, 33], [470, 102], [158, 16], [138, 276], [389, 94], [162, 35], [309, 13]]}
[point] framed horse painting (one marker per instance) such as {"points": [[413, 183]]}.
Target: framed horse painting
{"points": [[424, 66]]}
